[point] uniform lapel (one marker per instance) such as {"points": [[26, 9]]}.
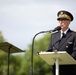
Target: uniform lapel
{"points": [[56, 40], [68, 34]]}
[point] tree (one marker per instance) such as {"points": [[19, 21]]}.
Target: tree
{"points": [[1, 37], [15, 61], [21, 64], [40, 67], [3, 59]]}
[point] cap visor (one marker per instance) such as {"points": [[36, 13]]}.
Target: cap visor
{"points": [[62, 18]]}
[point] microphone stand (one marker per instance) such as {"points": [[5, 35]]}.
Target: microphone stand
{"points": [[31, 69], [50, 31]]}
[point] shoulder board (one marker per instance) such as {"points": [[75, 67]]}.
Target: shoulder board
{"points": [[54, 32], [74, 30]]}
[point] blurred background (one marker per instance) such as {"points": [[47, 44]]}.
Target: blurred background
{"points": [[20, 20]]}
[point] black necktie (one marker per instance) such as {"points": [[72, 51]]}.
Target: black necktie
{"points": [[61, 40], [63, 35]]}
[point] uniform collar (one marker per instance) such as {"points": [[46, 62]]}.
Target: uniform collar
{"points": [[64, 31]]}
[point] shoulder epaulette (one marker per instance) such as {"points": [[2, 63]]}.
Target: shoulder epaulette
{"points": [[74, 30], [54, 32]]}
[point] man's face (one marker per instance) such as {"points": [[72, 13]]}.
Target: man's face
{"points": [[64, 24]]}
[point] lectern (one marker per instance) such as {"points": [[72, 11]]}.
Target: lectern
{"points": [[58, 57], [9, 48]]}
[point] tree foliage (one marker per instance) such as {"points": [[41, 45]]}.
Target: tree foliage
{"points": [[21, 64], [15, 61], [40, 67]]}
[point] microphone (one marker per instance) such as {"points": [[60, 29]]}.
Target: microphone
{"points": [[54, 30], [57, 28], [50, 31]]}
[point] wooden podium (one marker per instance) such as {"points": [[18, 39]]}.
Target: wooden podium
{"points": [[57, 57], [9, 48]]}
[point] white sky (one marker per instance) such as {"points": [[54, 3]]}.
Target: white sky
{"points": [[20, 20]]}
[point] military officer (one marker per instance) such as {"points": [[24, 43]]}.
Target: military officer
{"points": [[64, 40]]}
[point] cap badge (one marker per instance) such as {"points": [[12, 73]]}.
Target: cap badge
{"points": [[61, 13]]}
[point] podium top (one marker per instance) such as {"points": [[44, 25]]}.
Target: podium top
{"points": [[5, 46], [63, 57]]}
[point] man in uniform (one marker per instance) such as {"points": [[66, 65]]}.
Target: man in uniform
{"points": [[64, 40]]}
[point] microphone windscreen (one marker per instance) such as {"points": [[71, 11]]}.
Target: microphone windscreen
{"points": [[57, 28]]}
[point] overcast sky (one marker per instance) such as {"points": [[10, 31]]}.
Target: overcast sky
{"points": [[20, 20]]}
